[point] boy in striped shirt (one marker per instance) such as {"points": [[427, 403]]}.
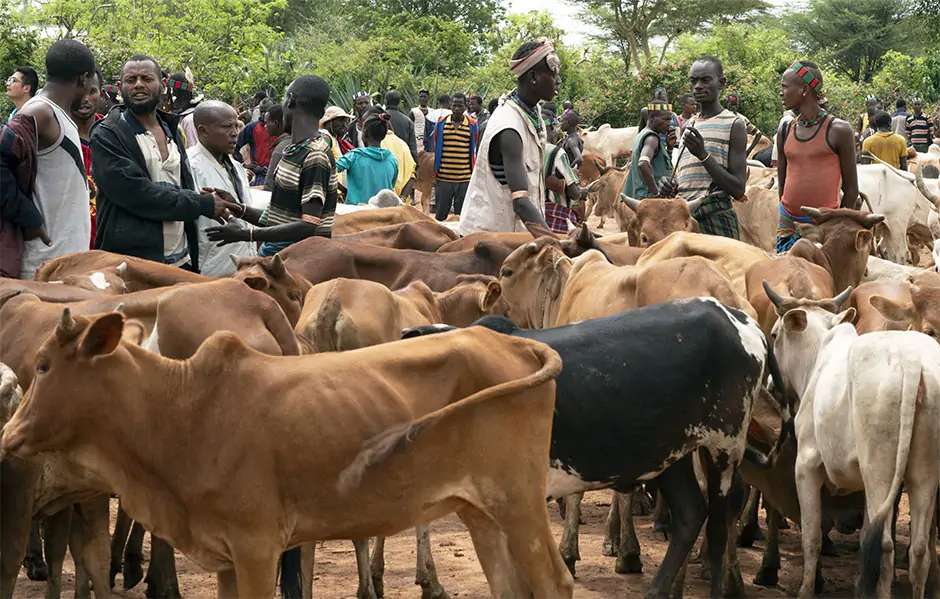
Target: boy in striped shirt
{"points": [[919, 127], [454, 141]]}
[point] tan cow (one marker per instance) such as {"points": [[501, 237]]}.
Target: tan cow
{"points": [[425, 235], [787, 275], [590, 168], [345, 314], [137, 274], [868, 318], [509, 241], [734, 256], [455, 422], [47, 292], [604, 197], [656, 218], [424, 180], [758, 213], [920, 312], [363, 220]]}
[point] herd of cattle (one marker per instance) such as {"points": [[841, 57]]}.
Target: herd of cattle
{"points": [[338, 391]]}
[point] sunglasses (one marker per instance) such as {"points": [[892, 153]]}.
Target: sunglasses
{"points": [[13, 80]]}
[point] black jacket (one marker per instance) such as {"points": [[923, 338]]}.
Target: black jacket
{"points": [[404, 128], [131, 207]]}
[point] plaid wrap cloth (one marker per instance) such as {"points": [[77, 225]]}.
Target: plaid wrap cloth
{"points": [[717, 217], [557, 217], [787, 231]]}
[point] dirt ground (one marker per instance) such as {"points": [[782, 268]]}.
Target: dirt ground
{"points": [[461, 575]]}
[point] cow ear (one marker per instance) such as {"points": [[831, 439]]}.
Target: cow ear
{"points": [[103, 335], [810, 232], [539, 231], [493, 292], [257, 283], [844, 316], [891, 309], [863, 240], [134, 332], [794, 321], [694, 226]]}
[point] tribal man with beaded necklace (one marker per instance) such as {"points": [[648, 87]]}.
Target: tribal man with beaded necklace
{"points": [[507, 189], [816, 156]]}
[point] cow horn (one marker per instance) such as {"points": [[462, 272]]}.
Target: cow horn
{"points": [[121, 269], [119, 308], [600, 168], [922, 187], [771, 184], [67, 324], [814, 213], [277, 267], [633, 203], [695, 205], [840, 299], [775, 298], [873, 219]]}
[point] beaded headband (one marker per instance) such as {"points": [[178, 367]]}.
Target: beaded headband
{"points": [[358, 95], [183, 85], [661, 106], [804, 74], [110, 88]]}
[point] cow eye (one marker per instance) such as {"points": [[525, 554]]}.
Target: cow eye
{"points": [[644, 239], [42, 368], [506, 272]]}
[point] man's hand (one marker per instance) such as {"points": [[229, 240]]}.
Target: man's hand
{"points": [[226, 196], [231, 232], [667, 187], [251, 166], [38, 233], [671, 138], [694, 142], [554, 183]]}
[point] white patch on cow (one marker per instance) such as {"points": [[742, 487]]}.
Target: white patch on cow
{"points": [[749, 332], [441, 327], [57, 282], [563, 481], [152, 344], [97, 279]]}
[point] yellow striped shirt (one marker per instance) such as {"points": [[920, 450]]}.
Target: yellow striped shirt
{"points": [[455, 152]]}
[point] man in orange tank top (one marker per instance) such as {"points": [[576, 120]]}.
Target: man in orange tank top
{"points": [[816, 154]]}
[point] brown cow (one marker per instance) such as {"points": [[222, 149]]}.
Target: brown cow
{"points": [[788, 275], [590, 168], [604, 197], [47, 292], [424, 180], [363, 220], [137, 274], [456, 422], [868, 318], [345, 314], [319, 259], [657, 218], [510, 241], [425, 235], [272, 278], [921, 312], [758, 213]]}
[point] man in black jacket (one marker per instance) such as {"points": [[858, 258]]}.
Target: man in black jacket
{"points": [[147, 203], [402, 124]]}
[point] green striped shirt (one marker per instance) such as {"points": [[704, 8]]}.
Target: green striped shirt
{"points": [[694, 181], [307, 176]]}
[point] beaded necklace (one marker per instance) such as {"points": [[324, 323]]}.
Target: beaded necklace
{"points": [[300, 145], [531, 112], [812, 123]]}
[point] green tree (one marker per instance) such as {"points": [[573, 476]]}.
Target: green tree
{"points": [[852, 35], [478, 17], [17, 42]]}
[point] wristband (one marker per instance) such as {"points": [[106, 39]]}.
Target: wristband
{"points": [[707, 156], [520, 194], [251, 235], [646, 159]]}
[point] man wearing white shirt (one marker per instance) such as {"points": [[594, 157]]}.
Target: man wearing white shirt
{"points": [[213, 167]]}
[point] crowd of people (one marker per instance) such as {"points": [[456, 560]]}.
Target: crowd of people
{"points": [[148, 168]]}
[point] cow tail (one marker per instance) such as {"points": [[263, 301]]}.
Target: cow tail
{"points": [[780, 392], [324, 329], [380, 447], [871, 543]]}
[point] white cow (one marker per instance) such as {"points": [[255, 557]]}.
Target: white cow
{"points": [[893, 193], [609, 143], [868, 419]]}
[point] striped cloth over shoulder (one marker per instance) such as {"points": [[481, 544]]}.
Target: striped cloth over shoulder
{"points": [[306, 175], [694, 181]]}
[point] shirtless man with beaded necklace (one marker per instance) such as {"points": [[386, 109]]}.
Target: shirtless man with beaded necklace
{"points": [[816, 156]]}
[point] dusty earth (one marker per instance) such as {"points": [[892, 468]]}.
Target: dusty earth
{"points": [[461, 575]]}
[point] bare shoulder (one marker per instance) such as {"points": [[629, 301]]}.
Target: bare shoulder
{"points": [[842, 127], [41, 111]]}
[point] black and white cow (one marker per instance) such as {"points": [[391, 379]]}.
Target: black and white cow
{"points": [[643, 390]]}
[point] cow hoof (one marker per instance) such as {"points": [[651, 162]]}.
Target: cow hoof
{"points": [[768, 577], [629, 564], [819, 585], [735, 590], [133, 571], [829, 548], [570, 563], [661, 528], [705, 572], [749, 534], [435, 592], [154, 593], [610, 550], [36, 569], [367, 594]]}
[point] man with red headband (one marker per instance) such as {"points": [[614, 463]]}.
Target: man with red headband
{"points": [[507, 188], [816, 155]]}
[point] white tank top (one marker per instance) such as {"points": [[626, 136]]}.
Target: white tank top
{"points": [[61, 193]]}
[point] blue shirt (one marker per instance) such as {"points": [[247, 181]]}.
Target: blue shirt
{"points": [[368, 171]]}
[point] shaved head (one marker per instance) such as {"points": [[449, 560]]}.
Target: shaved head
{"points": [[212, 111]]}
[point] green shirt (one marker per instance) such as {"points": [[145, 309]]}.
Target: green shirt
{"points": [[555, 162], [634, 186]]}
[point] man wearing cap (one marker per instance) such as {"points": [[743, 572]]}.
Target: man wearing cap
{"points": [[507, 187], [919, 127], [650, 160], [179, 90], [361, 103], [333, 125]]}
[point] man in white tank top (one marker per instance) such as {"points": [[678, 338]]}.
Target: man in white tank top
{"points": [[61, 189], [506, 188]]}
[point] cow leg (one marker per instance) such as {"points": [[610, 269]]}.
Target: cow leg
{"points": [[56, 534], [366, 590], [569, 537], [719, 513], [161, 575], [688, 507], [378, 566], [77, 549], [134, 557], [16, 510], [255, 570], [628, 553], [426, 572], [612, 528], [308, 552], [733, 581], [922, 503], [524, 522], [661, 516], [750, 528], [291, 575], [90, 521], [122, 528], [493, 553], [228, 588], [809, 482], [35, 566], [767, 576]]}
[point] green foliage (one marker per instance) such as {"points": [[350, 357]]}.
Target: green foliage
{"points": [[476, 18], [17, 42]]}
